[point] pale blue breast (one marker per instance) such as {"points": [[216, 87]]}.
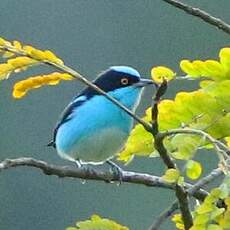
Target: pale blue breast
{"points": [[98, 129]]}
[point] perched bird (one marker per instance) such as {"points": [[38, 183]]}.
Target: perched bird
{"points": [[92, 129]]}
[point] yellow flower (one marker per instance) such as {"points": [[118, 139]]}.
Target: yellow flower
{"points": [[7, 54], [22, 87], [19, 62], [50, 56], [40, 55], [5, 70], [2, 41], [17, 45], [28, 49], [18, 94], [37, 54]]}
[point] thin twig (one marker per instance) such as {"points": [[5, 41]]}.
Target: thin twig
{"points": [[220, 24], [219, 146], [216, 173], [164, 215], [89, 173]]}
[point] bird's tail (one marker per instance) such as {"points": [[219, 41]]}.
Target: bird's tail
{"points": [[52, 143]]}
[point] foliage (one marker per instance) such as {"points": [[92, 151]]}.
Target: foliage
{"points": [[207, 215], [205, 109], [191, 121], [97, 223]]}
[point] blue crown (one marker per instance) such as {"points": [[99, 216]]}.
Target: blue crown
{"points": [[126, 70]]}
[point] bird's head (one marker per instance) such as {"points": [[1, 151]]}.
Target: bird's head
{"points": [[123, 83], [118, 77]]}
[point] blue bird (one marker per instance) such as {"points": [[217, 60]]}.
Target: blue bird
{"points": [[92, 129]]}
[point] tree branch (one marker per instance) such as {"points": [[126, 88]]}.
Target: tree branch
{"points": [[220, 24], [216, 173], [89, 173], [181, 193]]}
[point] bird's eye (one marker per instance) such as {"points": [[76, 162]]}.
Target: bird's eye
{"points": [[124, 81]]}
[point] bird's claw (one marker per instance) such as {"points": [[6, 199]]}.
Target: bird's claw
{"points": [[117, 171]]}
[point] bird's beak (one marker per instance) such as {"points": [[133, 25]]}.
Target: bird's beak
{"points": [[144, 82]]}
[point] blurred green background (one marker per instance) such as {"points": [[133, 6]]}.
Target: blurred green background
{"points": [[90, 36]]}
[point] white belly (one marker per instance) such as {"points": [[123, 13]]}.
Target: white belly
{"points": [[98, 147]]}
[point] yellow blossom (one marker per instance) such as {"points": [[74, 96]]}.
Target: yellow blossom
{"points": [[19, 62], [50, 56], [37, 54], [17, 45], [22, 87], [40, 55], [2, 41], [7, 54], [28, 49], [5, 70]]}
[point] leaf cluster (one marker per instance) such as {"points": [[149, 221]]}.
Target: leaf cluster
{"points": [[97, 223], [206, 109]]}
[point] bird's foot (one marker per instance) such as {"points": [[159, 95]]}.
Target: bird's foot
{"points": [[117, 171], [78, 163]]}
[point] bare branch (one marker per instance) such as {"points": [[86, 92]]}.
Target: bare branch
{"points": [[164, 215], [220, 24], [89, 173], [216, 173]]}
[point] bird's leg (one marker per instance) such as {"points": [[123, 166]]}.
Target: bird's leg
{"points": [[78, 163], [116, 170]]}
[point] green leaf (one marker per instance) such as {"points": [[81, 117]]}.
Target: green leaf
{"points": [[201, 219], [204, 109], [97, 223], [205, 208], [193, 169], [171, 175], [214, 227], [198, 227], [216, 212], [215, 193], [140, 143]]}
